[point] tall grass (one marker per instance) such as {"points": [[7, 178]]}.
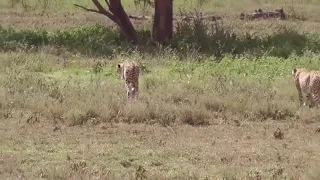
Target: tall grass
{"points": [[194, 93]]}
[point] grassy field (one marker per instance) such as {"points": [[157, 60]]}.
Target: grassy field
{"points": [[62, 120], [64, 114]]}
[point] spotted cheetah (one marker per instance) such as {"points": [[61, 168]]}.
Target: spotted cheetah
{"points": [[129, 71], [259, 14], [308, 86]]}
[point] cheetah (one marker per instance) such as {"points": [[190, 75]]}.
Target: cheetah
{"points": [[308, 86], [129, 71], [259, 14], [277, 14]]}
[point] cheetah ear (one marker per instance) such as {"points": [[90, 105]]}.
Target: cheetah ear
{"points": [[294, 71]]}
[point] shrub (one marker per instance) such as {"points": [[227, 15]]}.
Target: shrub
{"points": [[196, 36]]}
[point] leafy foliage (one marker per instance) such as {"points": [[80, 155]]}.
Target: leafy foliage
{"points": [[195, 36]]}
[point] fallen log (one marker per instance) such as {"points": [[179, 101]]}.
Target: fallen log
{"points": [[186, 18]]}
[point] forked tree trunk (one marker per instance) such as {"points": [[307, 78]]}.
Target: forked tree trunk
{"points": [[124, 22], [117, 15], [163, 17]]}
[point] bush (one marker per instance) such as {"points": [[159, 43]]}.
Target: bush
{"points": [[195, 36]]}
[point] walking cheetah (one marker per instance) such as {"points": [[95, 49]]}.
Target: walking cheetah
{"points": [[308, 86], [129, 71]]}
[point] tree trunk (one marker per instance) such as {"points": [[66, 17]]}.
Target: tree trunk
{"points": [[118, 16], [124, 22], [163, 20]]}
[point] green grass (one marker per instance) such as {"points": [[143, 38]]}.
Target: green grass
{"points": [[71, 102], [197, 37], [64, 112], [224, 81]]}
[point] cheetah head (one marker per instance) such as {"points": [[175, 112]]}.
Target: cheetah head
{"points": [[279, 10], [120, 70], [281, 13], [258, 11], [296, 71], [242, 16]]}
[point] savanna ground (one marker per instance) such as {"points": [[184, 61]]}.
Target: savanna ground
{"points": [[64, 114]]}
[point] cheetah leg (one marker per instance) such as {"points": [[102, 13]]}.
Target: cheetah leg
{"points": [[131, 94], [134, 95], [310, 99], [128, 94], [301, 99], [136, 92], [315, 91], [315, 100], [128, 89], [302, 102], [131, 91]]}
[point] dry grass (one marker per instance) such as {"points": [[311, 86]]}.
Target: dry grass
{"points": [[64, 121], [65, 116], [61, 15], [113, 151]]}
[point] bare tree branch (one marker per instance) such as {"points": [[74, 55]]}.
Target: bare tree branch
{"points": [[117, 14], [89, 10], [108, 3], [100, 10]]}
